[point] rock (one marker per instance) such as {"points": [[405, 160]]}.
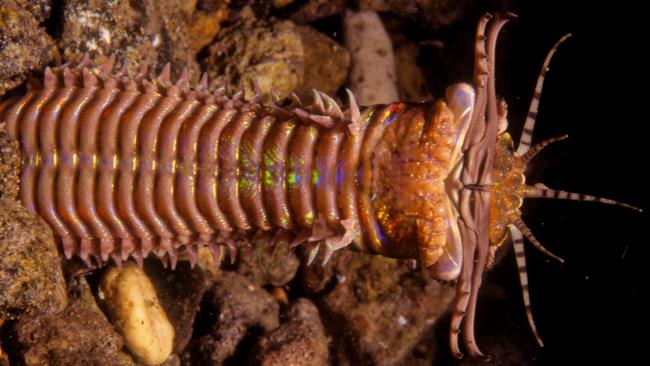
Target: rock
{"points": [[81, 335], [179, 293], [301, 340], [24, 46], [376, 308], [269, 264], [372, 76], [136, 312], [40, 9], [433, 14], [282, 57], [231, 310], [317, 9], [31, 279], [10, 161], [138, 33], [205, 25]]}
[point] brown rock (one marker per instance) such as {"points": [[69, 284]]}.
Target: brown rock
{"points": [[80, 335], [301, 340], [40, 9], [31, 280], [317, 9], [24, 46], [139, 33], [9, 167], [268, 264], [232, 309], [282, 57], [378, 308]]}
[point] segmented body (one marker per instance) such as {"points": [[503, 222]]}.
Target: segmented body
{"points": [[123, 168]]}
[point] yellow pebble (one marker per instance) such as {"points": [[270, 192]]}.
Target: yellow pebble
{"points": [[137, 314]]}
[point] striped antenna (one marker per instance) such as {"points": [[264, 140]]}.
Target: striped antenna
{"points": [[519, 224], [539, 190], [530, 154], [518, 245], [529, 125]]}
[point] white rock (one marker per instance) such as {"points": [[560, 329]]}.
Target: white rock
{"points": [[137, 314], [372, 75]]}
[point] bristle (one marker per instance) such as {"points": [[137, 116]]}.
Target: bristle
{"points": [[192, 252], [318, 104], [203, 83], [89, 79], [86, 251], [232, 250], [85, 61], [183, 81], [302, 237], [258, 97], [313, 252], [107, 66], [68, 245], [355, 113], [127, 246], [117, 259], [327, 254], [173, 258], [137, 255], [216, 253], [331, 106], [165, 75], [68, 78], [143, 73], [295, 100], [106, 247]]}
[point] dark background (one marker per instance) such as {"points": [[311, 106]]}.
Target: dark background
{"points": [[589, 309]]}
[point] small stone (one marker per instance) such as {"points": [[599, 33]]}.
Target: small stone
{"points": [[372, 76], [136, 312], [31, 278], [9, 167], [269, 264], [40, 9], [24, 46], [301, 340], [282, 57], [317, 9], [381, 310], [230, 310], [150, 33], [80, 335]]}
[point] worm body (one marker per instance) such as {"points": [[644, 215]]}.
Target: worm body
{"points": [[121, 168], [124, 167]]}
